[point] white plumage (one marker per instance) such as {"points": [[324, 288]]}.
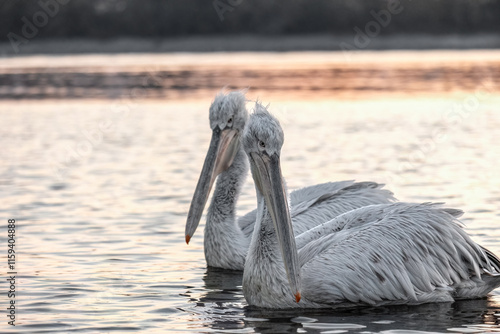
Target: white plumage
{"points": [[398, 253], [226, 239]]}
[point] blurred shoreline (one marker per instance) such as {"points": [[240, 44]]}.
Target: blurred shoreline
{"points": [[318, 74], [238, 43]]}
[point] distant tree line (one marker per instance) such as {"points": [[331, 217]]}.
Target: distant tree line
{"points": [[167, 18]]}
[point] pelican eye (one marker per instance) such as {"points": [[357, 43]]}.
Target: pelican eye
{"points": [[262, 144], [230, 121]]}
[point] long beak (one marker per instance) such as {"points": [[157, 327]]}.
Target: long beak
{"points": [[221, 152], [266, 171]]}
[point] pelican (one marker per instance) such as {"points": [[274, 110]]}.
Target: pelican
{"points": [[398, 253], [226, 239]]}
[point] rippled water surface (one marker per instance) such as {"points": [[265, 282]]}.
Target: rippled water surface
{"points": [[100, 191]]}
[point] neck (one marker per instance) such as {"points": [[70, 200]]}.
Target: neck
{"points": [[264, 276], [264, 241], [225, 244]]}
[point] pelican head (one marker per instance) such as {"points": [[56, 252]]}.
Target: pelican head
{"points": [[262, 141], [228, 116]]}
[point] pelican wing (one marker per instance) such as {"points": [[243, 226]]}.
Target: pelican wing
{"points": [[300, 200], [492, 260], [415, 253], [336, 201], [321, 202], [312, 193], [356, 218]]}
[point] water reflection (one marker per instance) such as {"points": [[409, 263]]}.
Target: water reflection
{"points": [[440, 317], [222, 284], [222, 308], [103, 248], [318, 74], [221, 302]]}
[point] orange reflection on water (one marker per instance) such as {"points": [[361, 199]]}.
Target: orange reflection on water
{"points": [[103, 244], [304, 75]]}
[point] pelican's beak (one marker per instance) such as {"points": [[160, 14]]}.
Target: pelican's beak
{"points": [[266, 171], [223, 148]]}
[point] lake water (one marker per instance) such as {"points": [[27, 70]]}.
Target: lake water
{"points": [[98, 166]]}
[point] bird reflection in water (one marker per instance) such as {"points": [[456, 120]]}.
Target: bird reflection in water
{"points": [[223, 307]]}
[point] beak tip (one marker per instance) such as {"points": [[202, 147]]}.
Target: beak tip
{"points": [[297, 297], [188, 237]]}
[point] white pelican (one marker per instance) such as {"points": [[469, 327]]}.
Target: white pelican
{"points": [[397, 253], [226, 240]]}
